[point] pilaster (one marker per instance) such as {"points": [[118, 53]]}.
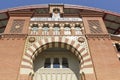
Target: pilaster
{"points": [[61, 29]]}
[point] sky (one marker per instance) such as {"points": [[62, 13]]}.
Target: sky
{"points": [[112, 5]]}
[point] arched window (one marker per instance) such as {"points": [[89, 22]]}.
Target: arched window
{"points": [[34, 29], [47, 63], [45, 30], [56, 63], [64, 63], [67, 31], [56, 13], [78, 31], [56, 31]]}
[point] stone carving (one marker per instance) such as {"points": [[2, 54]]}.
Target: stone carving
{"points": [[81, 39], [32, 39]]}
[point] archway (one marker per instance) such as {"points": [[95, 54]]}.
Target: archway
{"points": [[73, 45], [56, 63]]}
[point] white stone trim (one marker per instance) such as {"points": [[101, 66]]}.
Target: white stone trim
{"points": [[69, 41], [63, 40], [49, 39], [87, 63], [26, 64], [87, 70], [26, 57], [56, 39], [86, 57], [25, 71], [29, 52], [79, 48], [84, 52], [37, 44], [75, 44], [43, 41], [33, 48]]}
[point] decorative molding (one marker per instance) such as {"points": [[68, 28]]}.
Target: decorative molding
{"points": [[14, 35], [91, 14], [21, 13], [97, 36], [55, 19]]}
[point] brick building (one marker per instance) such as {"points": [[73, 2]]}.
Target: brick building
{"points": [[59, 42]]}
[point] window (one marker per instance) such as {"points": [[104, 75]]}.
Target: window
{"points": [[67, 31], [64, 63], [45, 31], [56, 31], [56, 13], [56, 63], [47, 63], [34, 29], [117, 46], [78, 31]]}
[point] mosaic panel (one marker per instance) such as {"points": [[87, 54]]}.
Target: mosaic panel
{"points": [[95, 26], [17, 26]]}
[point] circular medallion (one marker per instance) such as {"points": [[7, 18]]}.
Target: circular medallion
{"points": [[81, 39], [32, 39]]}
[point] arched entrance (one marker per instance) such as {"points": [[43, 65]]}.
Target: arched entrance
{"points": [[77, 49], [56, 63]]}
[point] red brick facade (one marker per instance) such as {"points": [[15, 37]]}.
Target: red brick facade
{"points": [[13, 51]]}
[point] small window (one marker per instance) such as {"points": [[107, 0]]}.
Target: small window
{"points": [[64, 63], [78, 31], [56, 63], [56, 31], [67, 31], [47, 63], [45, 31], [117, 46], [34, 29]]}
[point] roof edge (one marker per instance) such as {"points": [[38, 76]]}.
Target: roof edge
{"points": [[65, 5]]}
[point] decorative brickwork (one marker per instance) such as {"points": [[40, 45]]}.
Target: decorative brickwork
{"points": [[95, 26], [17, 26], [79, 49]]}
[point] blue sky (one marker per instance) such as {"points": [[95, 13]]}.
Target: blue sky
{"points": [[112, 5]]}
